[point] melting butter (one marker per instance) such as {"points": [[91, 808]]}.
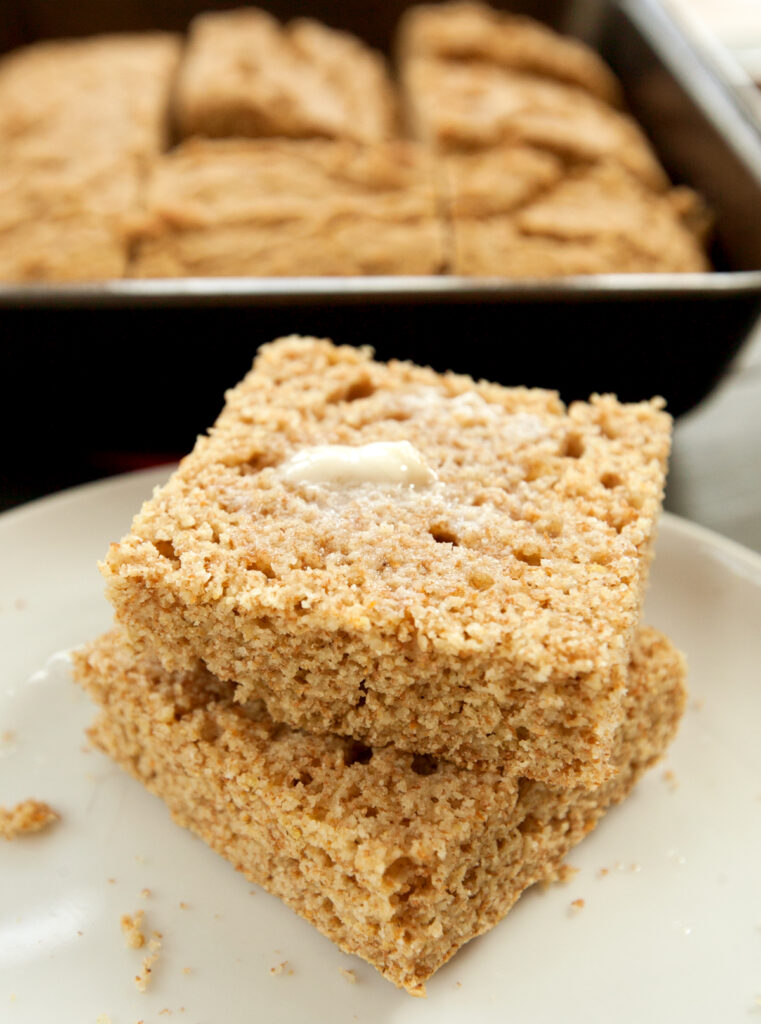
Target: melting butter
{"points": [[383, 462]]}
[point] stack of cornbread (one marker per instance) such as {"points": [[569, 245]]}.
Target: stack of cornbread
{"points": [[379, 641], [492, 147]]}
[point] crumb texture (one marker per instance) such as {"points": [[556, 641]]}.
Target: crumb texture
{"points": [[27, 816], [398, 858], [488, 617]]}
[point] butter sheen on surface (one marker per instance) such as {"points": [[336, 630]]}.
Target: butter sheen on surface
{"points": [[382, 462]]}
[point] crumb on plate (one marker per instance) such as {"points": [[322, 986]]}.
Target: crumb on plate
{"points": [[132, 928], [26, 816], [669, 777], [154, 947], [562, 875]]}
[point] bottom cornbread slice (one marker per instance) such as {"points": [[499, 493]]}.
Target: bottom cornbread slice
{"points": [[394, 856]]}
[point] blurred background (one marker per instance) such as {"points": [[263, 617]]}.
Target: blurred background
{"points": [[715, 476], [88, 392]]}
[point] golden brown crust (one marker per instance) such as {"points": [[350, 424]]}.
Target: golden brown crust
{"points": [[513, 107], [498, 180], [245, 74], [487, 618], [455, 106], [285, 207], [79, 122], [468, 31], [396, 857], [595, 220], [76, 98]]}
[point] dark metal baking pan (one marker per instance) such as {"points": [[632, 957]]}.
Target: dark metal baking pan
{"points": [[125, 371]]}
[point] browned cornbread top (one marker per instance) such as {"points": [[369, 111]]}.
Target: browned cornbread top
{"points": [[76, 101], [483, 182], [84, 247], [65, 218], [394, 856], [246, 74], [476, 32], [536, 508], [458, 106], [79, 121], [207, 181], [507, 591], [285, 206], [513, 214], [606, 201]]}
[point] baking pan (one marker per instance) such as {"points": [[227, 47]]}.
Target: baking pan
{"points": [[127, 372]]}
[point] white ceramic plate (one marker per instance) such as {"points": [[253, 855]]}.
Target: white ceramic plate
{"points": [[671, 880]]}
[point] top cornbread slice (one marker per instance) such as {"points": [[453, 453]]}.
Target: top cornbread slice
{"points": [[487, 618]]}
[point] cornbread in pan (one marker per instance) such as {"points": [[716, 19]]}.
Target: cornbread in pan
{"points": [[466, 31], [463, 106], [245, 74], [395, 857], [66, 224], [486, 616], [261, 207], [66, 101], [514, 215], [79, 123]]}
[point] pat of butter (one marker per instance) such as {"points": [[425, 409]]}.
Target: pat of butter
{"points": [[383, 462]]}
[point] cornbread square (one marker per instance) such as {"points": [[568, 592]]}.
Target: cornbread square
{"points": [[463, 106], [395, 857], [245, 74], [516, 215], [77, 100], [79, 122], [263, 207], [467, 31], [487, 617], [66, 220], [62, 249]]}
